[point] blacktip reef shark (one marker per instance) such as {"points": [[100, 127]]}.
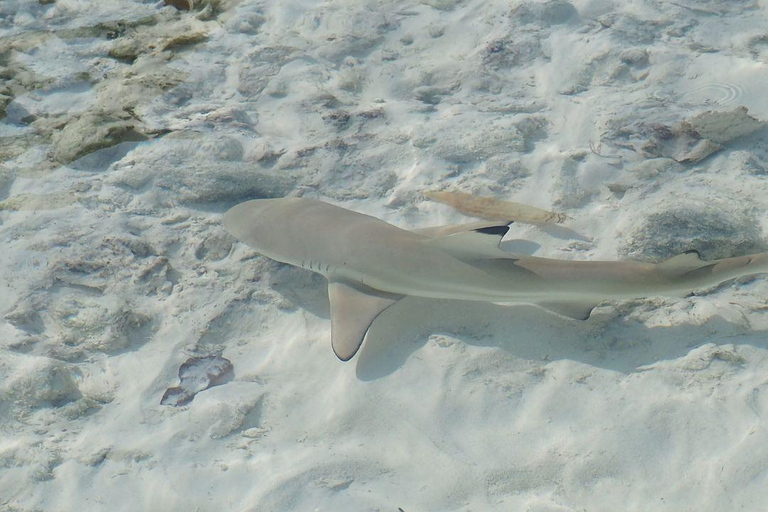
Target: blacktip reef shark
{"points": [[371, 264]]}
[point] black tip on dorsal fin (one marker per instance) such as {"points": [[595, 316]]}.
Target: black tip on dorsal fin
{"points": [[494, 230], [693, 251]]}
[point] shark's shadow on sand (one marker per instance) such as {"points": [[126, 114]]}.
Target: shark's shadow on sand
{"points": [[610, 339], [376, 270], [619, 344]]}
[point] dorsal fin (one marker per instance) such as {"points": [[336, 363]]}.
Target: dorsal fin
{"points": [[690, 258], [480, 242], [452, 229], [353, 310]]}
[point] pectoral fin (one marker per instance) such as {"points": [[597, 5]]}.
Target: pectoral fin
{"points": [[353, 309]]}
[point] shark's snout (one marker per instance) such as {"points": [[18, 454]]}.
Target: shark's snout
{"points": [[261, 223], [239, 220]]}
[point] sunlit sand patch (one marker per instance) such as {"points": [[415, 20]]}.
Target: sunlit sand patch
{"points": [[719, 93], [37, 202], [495, 209], [38, 171]]}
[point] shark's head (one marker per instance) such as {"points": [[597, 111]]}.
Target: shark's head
{"points": [[302, 231], [262, 223]]}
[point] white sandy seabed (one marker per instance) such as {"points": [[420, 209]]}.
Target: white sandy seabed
{"points": [[129, 127]]}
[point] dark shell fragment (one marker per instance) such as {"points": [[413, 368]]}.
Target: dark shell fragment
{"points": [[198, 374]]}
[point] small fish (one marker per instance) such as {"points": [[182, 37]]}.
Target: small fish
{"points": [[495, 209]]}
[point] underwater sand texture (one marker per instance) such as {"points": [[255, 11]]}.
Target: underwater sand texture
{"points": [[128, 127]]}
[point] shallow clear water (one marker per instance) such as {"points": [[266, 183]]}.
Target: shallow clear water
{"points": [[128, 128]]}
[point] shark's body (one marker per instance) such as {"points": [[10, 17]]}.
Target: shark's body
{"points": [[371, 264]]}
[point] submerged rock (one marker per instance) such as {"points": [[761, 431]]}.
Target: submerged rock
{"points": [[551, 12], [195, 375], [5, 100], [710, 230], [145, 48], [7, 177], [39, 382], [94, 131], [479, 139], [197, 171]]}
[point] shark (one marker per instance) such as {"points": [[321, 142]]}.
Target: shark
{"points": [[371, 264]]}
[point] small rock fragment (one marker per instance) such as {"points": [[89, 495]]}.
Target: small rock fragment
{"points": [[182, 5], [195, 375], [723, 127], [702, 135], [91, 132]]}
